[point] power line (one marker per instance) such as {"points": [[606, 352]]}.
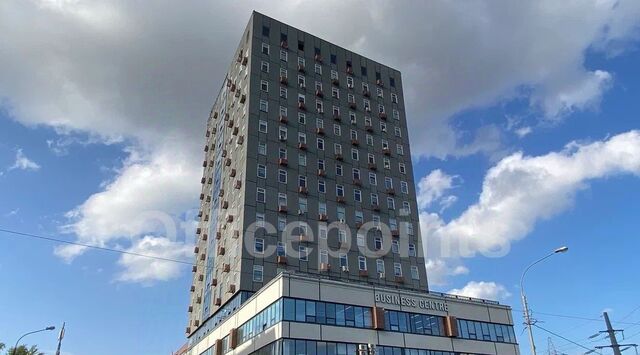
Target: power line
{"points": [[561, 337], [576, 317], [56, 240]]}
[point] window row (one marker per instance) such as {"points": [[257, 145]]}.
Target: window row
{"points": [[337, 131], [261, 172], [341, 217], [283, 156], [319, 104], [284, 56], [283, 205], [313, 347]]}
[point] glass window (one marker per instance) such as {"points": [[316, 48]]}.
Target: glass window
{"points": [[259, 245], [380, 266], [397, 269], [264, 106], [414, 273], [362, 263], [260, 195], [262, 171], [262, 126], [257, 273], [262, 148], [303, 253]]}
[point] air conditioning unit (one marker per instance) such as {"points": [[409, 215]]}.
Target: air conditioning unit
{"points": [[345, 269], [384, 129], [381, 275], [302, 86], [350, 86], [341, 220], [300, 212]]}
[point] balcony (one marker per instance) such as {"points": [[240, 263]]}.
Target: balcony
{"points": [[336, 117], [357, 182], [375, 207], [386, 151], [221, 250], [340, 199], [217, 301], [320, 131], [335, 82], [391, 191], [399, 279], [232, 173], [282, 209], [372, 166], [382, 115], [224, 205], [302, 106], [366, 93], [339, 157], [283, 119], [349, 70], [284, 44], [322, 217], [355, 142], [319, 93], [395, 233], [303, 190], [321, 172], [302, 146], [352, 105], [284, 80], [214, 282], [282, 260], [301, 68], [283, 162], [318, 58]]}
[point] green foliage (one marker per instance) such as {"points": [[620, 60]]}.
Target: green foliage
{"points": [[23, 350]]}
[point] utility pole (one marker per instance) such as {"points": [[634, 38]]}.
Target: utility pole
{"points": [[612, 335], [612, 338], [60, 336]]}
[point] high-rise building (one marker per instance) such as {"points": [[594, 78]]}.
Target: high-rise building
{"points": [[308, 232]]}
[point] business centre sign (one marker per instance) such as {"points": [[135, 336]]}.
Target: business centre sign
{"points": [[414, 302]]}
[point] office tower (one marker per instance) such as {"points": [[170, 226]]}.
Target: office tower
{"points": [[308, 181]]}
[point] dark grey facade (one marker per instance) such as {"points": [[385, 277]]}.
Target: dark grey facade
{"points": [[345, 157]]}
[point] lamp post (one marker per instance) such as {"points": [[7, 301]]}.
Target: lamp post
{"points": [[523, 297], [15, 348]]}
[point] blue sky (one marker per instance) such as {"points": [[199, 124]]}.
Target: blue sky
{"points": [[523, 120]]}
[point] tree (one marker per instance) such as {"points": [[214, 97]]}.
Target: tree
{"points": [[23, 350]]}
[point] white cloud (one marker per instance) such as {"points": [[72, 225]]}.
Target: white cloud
{"points": [[482, 289], [24, 163], [432, 187], [521, 190], [12, 213], [126, 72], [439, 271], [147, 270], [523, 131], [144, 198], [454, 56]]}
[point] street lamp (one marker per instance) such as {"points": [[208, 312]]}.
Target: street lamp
{"points": [[523, 297], [15, 348]]}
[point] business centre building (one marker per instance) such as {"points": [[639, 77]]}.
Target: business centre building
{"points": [[308, 240]]}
